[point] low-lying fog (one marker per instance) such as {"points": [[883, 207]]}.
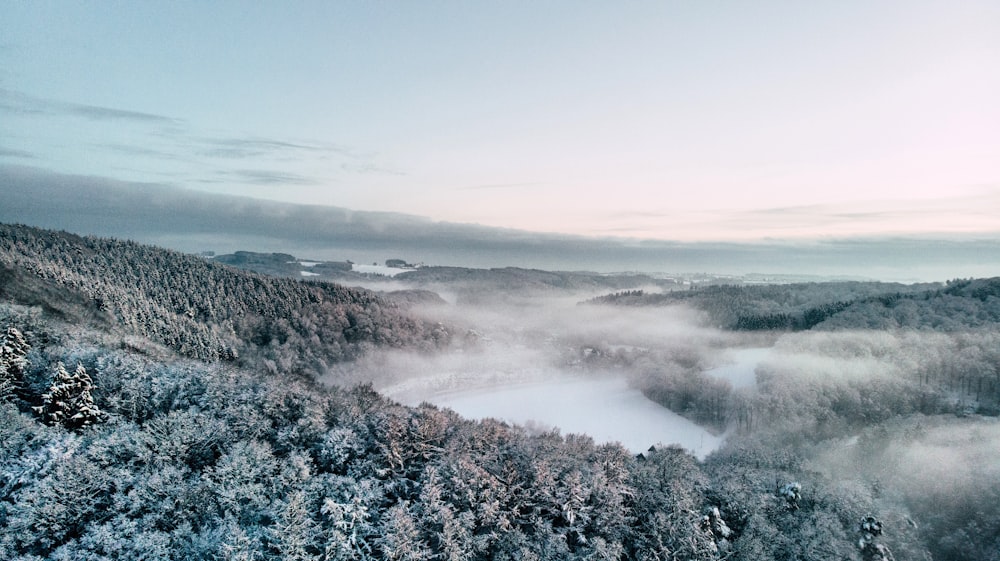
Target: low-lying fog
{"points": [[899, 420], [546, 361], [648, 375]]}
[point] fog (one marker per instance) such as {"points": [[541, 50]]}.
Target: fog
{"points": [[889, 418], [544, 360], [935, 474], [740, 370]]}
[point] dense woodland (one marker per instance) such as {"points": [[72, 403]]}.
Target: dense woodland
{"points": [[829, 305], [186, 460], [154, 406], [198, 308], [932, 348], [469, 285]]}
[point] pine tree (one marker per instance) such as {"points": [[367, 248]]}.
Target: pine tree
{"points": [[871, 548], [401, 540], [7, 384], [68, 401], [295, 534], [13, 362]]}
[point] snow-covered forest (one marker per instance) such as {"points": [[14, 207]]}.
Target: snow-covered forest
{"points": [[157, 405]]}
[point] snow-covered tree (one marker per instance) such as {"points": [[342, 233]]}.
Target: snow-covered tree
{"points": [[400, 540], [871, 549], [13, 361], [792, 493], [69, 402], [295, 535], [7, 384]]}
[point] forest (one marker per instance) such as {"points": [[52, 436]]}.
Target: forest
{"points": [[157, 405]]}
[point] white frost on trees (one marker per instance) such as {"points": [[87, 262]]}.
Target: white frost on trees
{"points": [[871, 550], [69, 402], [791, 492], [13, 362]]}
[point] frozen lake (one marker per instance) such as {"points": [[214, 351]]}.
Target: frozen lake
{"points": [[606, 409]]}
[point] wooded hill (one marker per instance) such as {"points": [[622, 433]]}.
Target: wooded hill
{"points": [[470, 284], [958, 304], [144, 414], [179, 459], [198, 308]]}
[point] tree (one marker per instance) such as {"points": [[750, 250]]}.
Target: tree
{"points": [[871, 549], [295, 534], [792, 493], [13, 362], [401, 540], [68, 401]]}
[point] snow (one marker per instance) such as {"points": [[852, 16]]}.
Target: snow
{"points": [[377, 270], [309, 263], [608, 410], [308, 274], [741, 373]]}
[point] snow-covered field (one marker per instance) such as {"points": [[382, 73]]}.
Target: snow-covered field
{"points": [[606, 409], [377, 270], [520, 368]]}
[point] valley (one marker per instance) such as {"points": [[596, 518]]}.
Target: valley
{"points": [[569, 413]]}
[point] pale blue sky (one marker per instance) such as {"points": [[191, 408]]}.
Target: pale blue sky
{"points": [[671, 120]]}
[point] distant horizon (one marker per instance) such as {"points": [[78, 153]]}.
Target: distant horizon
{"points": [[192, 221]]}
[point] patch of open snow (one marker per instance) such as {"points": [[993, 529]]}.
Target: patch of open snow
{"points": [[377, 270], [608, 410], [308, 263], [308, 274]]}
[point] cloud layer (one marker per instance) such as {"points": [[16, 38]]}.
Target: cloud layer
{"points": [[193, 221]]}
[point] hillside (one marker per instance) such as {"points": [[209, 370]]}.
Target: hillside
{"points": [[141, 417], [471, 284], [957, 305], [179, 459], [199, 308]]}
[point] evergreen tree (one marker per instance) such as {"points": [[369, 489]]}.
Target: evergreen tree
{"points": [[870, 543], [13, 362], [68, 401], [295, 534], [401, 539]]}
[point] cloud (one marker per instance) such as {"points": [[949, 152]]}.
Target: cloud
{"points": [[12, 153], [24, 104], [193, 221], [496, 186], [106, 113], [964, 213], [369, 167], [271, 177], [140, 150], [939, 217], [253, 147], [166, 145]]}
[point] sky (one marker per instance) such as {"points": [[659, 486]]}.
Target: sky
{"points": [[687, 121]]}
